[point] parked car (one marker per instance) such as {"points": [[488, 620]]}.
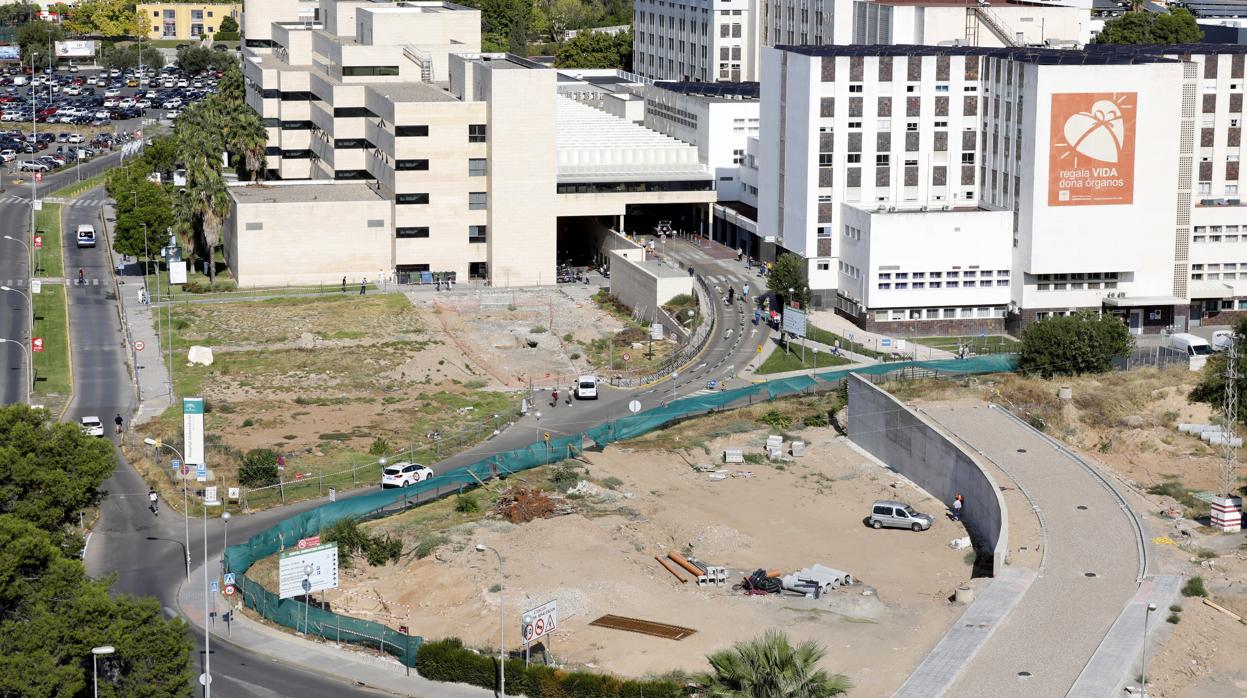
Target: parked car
{"points": [[92, 426], [893, 514], [8, 155], [1221, 339], [587, 388], [404, 473], [32, 166], [1196, 348]]}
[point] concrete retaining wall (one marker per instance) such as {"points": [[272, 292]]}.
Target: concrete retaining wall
{"points": [[644, 284], [913, 447]]}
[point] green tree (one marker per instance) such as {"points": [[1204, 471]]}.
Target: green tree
{"points": [[1074, 344], [771, 667], [229, 25], [1211, 387], [38, 36], [592, 49], [195, 59], [247, 139], [18, 13], [126, 56], [788, 272], [1176, 27], [49, 470], [517, 39], [258, 468], [108, 18], [143, 221]]}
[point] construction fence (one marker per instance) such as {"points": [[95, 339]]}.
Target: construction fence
{"points": [[294, 613]]}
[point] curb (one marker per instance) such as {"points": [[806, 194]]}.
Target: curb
{"points": [[69, 335]]}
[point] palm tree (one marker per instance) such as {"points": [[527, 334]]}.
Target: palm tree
{"points": [[770, 667], [247, 141], [206, 198]]}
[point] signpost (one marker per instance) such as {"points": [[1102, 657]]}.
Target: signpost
{"points": [[537, 623], [36, 344], [794, 325], [193, 429], [210, 497], [233, 493], [139, 345], [201, 473], [634, 406], [175, 464], [229, 579], [309, 542], [38, 242]]}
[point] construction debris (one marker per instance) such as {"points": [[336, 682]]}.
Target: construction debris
{"points": [[1209, 603], [645, 627], [671, 568], [734, 455], [520, 504], [682, 561], [824, 579], [959, 543], [759, 583], [798, 449]]}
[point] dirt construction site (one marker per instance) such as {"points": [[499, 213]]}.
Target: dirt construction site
{"points": [[595, 555]]}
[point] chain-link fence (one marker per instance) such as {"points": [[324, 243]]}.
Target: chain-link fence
{"points": [[302, 615], [1146, 357]]}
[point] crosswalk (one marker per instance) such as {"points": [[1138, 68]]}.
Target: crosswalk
{"points": [[92, 202], [67, 281]]}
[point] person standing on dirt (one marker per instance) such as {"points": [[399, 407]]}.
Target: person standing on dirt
{"points": [[344, 284], [957, 505], [363, 286]]}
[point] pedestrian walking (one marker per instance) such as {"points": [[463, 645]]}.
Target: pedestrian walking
{"points": [[118, 421], [554, 398], [569, 396], [731, 294], [344, 284], [835, 349], [957, 506], [740, 254], [745, 292], [363, 285], [155, 502]]}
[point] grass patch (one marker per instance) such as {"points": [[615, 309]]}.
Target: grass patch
{"points": [[1173, 487], [51, 364], [197, 284], [428, 545], [78, 188], [991, 344], [781, 361], [679, 307], [48, 224], [818, 334], [1194, 587]]}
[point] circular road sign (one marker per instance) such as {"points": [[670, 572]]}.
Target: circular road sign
{"points": [[627, 357], [634, 406], [229, 590], [139, 345], [186, 470]]}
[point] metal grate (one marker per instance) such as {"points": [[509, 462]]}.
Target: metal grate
{"points": [[645, 627]]}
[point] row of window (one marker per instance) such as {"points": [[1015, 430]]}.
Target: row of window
{"points": [[1218, 277], [477, 200], [959, 274], [476, 233], [1076, 285], [1080, 276], [895, 315], [919, 285]]}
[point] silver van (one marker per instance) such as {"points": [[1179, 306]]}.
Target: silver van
{"points": [[885, 512]]}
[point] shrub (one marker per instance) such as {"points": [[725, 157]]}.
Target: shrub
{"points": [[815, 420], [379, 447], [1073, 345], [258, 468], [426, 547], [611, 483], [777, 420], [538, 330], [351, 539], [1175, 608], [1194, 587], [467, 504], [564, 476], [1174, 618], [449, 660], [248, 422]]}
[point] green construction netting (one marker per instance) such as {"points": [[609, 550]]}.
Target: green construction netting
{"points": [[332, 626]]}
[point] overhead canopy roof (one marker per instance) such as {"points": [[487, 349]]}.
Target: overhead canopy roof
{"points": [[594, 146]]}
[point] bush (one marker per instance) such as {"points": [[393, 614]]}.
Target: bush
{"points": [[1073, 345], [428, 545], [467, 504], [1194, 587], [448, 660], [258, 468], [379, 447], [777, 420], [226, 36], [351, 539], [1174, 618], [815, 420], [612, 483], [564, 476]]}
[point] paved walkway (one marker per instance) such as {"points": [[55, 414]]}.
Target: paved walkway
{"points": [[834, 322], [1090, 574], [140, 326], [1117, 659], [357, 666]]}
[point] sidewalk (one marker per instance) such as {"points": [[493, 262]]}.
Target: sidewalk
{"points": [[834, 322], [355, 666], [139, 322]]}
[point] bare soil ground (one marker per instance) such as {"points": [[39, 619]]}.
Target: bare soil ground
{"points": [[649, 500]]}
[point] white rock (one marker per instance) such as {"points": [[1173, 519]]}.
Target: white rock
{"points": [[200, 355]]}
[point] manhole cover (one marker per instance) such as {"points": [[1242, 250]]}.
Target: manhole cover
{"points": [[1088, 574], [1024, 674], [1022, 450], [1082, 507]]}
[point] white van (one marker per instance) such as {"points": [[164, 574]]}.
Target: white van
{"points": [[86, 235], [1197, 348], [587, 388]]}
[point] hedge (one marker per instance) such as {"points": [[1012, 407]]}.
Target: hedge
{"points": [[448, 660]]}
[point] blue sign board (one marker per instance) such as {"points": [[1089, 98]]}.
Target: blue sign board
{"points": [[215, 587], [175, 464], [229, 579], [201, 471], [885, 342]]}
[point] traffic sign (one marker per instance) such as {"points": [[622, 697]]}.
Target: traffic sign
{"points": [[176, 464], [229, 589], [38, 242], [545, 436], [308, 542], [38, 176], [201, 472], [215, 587], [139, 345], [229, 579], [634, 406], [36, 344], [186, 470], [627, 357], [538, 622]]}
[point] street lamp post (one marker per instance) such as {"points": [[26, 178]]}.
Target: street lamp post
{"points": [[30, 269], [502, 656], [30, 367], [207, 676], [34, 134], [96, 653], [186, 512], [1143, 675]]}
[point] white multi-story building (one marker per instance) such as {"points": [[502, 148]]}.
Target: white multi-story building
{"points": [[698, 40], [712, 40], [485, 161], [976, 186]]}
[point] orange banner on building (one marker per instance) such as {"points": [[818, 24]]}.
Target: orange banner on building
{"points": [[1091, 149]]}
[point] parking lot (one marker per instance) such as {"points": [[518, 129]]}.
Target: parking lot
{"points": [[80, 113]]}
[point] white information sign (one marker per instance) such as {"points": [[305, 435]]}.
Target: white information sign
{"points": [[538, 622], [210, 497], [307, 570], [36, 286], [177, 272], [656, 332], [193, 429], [794, 321], [75, 49], [233, 492]]}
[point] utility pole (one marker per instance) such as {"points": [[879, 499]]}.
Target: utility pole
{"points": [[1230, 463]]}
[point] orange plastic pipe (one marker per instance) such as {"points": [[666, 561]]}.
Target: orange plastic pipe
{"points": [[683, 562], [670, 568]]}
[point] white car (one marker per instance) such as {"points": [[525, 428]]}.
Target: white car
{"points": [[404, 473], [8, 155], [1221, 339], [173, 114], [76, 138], [112, 92], [587, 388], [92, 426], [171, 103]]}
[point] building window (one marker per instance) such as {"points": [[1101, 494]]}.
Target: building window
{"points": [[417, 232], [476, 233], [824, 266], [405, 131], [197, 30], [361, 71], [478, 270], [477, 167], [476, 133], [411, 198], [197, 14], [882, 159], [477, 201], [411, 164]]}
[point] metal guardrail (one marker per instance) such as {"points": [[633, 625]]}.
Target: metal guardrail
{"points": [[688, 352]]}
